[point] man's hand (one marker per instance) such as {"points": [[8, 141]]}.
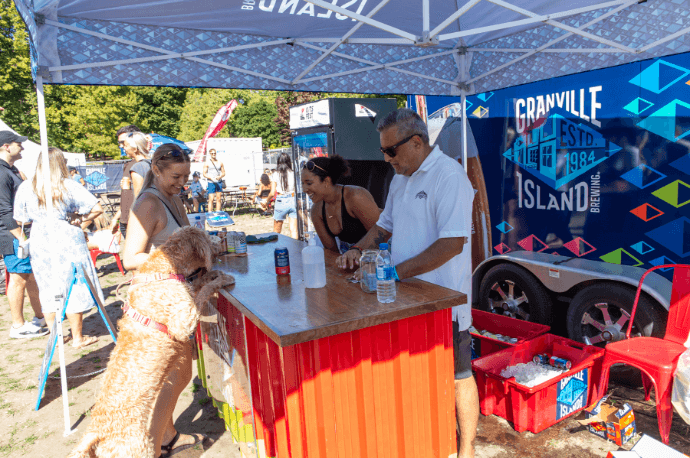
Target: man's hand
{"points": [[349, 260]]}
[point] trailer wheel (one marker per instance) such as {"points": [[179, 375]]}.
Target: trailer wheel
{"points": [[510, 290], [599, 314]]}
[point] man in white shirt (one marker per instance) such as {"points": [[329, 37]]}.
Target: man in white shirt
{"points": [[428, 214]]}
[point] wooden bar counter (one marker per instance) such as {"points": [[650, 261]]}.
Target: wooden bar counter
{"points": [[329, 372]]}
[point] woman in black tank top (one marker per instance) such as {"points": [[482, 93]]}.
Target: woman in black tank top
{"points": [[346, 212]]}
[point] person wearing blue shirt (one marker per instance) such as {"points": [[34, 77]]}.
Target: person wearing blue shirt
{"points": [[76, 177], [197, 190]]}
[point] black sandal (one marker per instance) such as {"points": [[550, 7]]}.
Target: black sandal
{"points": [[169, 450]]}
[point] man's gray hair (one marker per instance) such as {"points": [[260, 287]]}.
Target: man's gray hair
{"points": [[408, 123]]}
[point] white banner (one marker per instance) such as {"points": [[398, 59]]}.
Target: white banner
{"points": [[310, 115]]}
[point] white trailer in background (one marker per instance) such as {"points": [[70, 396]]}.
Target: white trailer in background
{"points": [[242, 158]]}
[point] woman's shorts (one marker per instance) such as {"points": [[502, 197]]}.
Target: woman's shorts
{"points": [[213, 187], [285, 206], [15, 265]]}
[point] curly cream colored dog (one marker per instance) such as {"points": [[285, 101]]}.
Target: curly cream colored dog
{"points": [[144, 355]]}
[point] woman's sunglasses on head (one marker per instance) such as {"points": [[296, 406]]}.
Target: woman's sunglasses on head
{"points": [[311, 165], [390, 151], [122, 142]]}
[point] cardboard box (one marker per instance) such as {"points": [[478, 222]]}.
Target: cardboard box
{"points": [[609, 422], [648, 447]]}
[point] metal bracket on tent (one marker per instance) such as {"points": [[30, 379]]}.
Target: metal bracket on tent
{"points": [[39, 18], [44, 71], [425, 41], [462, 50], [464, 87]]}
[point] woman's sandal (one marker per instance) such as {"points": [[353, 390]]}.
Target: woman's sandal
{"points": [[85, 341], [170, 449]]}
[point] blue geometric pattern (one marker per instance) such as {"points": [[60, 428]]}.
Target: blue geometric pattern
{"points": [[643, 176], [504, 227], [675, 236], [634, 26], [638, 105], [669, 120], [661, 261], [659, 76], [642, 247], [572, 391], [682, 164], [485, 96], [96, 178]]}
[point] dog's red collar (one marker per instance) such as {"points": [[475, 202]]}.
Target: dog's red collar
{"points": [[144, 320]]}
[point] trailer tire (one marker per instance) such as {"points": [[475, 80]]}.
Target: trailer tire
{"points": [[527, 299], [586, 321]]}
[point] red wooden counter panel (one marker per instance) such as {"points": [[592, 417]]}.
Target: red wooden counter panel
{"points": [[384, 390]]}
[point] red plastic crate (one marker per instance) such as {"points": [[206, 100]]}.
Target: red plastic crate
{"points": [[539, 407], [505, 325]]}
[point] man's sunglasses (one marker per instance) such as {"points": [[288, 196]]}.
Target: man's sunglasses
{"points": [[122, 142], [390, 151], [311, 165]]}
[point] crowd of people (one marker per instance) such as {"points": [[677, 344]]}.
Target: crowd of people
{"points": [[426, 217]]}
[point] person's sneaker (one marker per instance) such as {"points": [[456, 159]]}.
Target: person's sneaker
{"points": [[38, 322], [27, 331]]}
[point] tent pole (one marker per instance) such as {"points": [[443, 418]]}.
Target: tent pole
{"points": [[464, 130]]}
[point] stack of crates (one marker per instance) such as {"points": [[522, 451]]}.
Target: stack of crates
{"points": [[504, 325], [539, 407]]}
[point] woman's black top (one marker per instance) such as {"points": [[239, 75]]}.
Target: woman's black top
{"points": [[353, 229]]}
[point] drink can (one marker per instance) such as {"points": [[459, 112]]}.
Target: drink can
{"points": [[231, 241], [560, 363], [223, 241], [240, 242], [541, 359], [513, 340], [282, 257]]}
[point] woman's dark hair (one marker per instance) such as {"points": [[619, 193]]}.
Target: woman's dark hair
{"points": [[284, 164], [334, 167], [265, 180], [165, 156]]}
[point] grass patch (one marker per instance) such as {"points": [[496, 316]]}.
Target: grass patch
{"points": [[204, 401], [195, 388], [28, 368]]}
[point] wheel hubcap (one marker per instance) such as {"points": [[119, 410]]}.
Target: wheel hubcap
{"points": [[509, 302], [606, 330]]}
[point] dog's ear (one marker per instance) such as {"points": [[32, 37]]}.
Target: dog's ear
{"points": [[189, 248]]}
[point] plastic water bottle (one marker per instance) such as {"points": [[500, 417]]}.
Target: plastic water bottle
{"points": [[314, 264], [197, 222], [385, 281]]}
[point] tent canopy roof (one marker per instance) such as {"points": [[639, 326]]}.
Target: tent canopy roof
{"points": [[428, 47]]}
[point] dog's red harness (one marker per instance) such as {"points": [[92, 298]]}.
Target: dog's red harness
{"points": [[142, 319]]}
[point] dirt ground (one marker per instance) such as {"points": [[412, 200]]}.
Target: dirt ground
{"points": [[30, 433]]}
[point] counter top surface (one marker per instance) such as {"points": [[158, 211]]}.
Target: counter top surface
{"points": [[289, 313]]}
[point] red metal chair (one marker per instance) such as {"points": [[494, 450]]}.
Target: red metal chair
{"points": [[95, 252], [656, 358]]}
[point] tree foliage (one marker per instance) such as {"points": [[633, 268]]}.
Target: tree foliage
{"points": [[256, 120]]}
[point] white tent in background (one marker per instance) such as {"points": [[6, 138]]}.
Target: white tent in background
{"points": [[27, 164]]}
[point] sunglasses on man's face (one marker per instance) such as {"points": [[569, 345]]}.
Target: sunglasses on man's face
{"points": [[311, 165], [390, 150], [122, 142]]}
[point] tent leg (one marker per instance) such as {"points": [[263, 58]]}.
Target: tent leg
{"points": [[464, 130], [43, 126]]}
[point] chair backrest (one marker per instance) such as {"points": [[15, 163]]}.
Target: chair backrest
{"points": [[678, 324]]}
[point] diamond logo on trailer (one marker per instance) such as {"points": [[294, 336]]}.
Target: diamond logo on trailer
{"points": [[670, 121], [621, 257], [675, 236], [560, 150], [638, 105], [660, 76]]}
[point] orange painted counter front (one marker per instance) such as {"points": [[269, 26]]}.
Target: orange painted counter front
{"points": [[329, 372]]}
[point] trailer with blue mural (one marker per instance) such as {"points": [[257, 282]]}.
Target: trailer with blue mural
{"points": [[584, 184]]}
